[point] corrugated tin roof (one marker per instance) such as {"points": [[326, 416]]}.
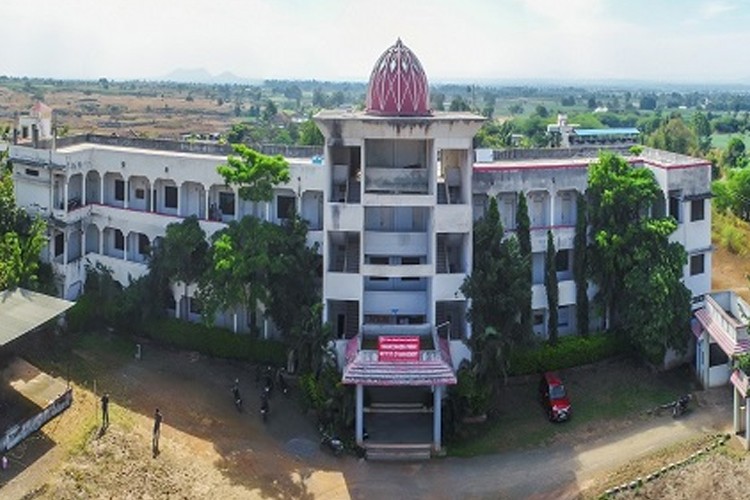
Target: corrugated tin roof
{"points": [[23, 310]]}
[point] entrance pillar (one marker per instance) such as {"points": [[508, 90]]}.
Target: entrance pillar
{"points": [[736, 412], [437, 411], [359, 414], [747, 425]]}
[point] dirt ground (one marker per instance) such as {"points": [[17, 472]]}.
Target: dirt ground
{"points": [[207, 448]]}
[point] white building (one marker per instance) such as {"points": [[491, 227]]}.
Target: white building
{"points": [[392, 205]]}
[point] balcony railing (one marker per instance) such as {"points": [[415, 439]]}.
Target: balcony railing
{"points": [[397, 180]]}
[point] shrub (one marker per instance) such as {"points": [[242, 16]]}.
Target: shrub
{"points": [[733, 239], [216, 341], [568, 352]]}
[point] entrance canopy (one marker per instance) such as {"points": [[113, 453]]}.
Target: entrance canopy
{"points": [[365, 367], [23, 310]]}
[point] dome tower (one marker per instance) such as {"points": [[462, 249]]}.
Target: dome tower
{"points": [[398, 84]]}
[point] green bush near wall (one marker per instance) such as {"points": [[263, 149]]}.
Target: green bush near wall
{"points": [[567, 353], [216, 341]]}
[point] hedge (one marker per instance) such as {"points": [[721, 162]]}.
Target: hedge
{"points": [[217, 342], [568, 352]]}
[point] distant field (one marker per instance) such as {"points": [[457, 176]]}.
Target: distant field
{"points": [[720, 141]]}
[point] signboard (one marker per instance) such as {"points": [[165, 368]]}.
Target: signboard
{"points": [[398, 348]]}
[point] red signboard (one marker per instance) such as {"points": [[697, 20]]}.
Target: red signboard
{"points": [[398, 348]]}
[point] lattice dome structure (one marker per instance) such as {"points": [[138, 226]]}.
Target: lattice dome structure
{"points": [[398, 84]]}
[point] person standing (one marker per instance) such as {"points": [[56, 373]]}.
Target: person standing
{"points": [[105, 410], [157, 429]]}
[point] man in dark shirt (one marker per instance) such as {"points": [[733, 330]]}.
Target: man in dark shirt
{"points": [[105, 411], [157, 429]]}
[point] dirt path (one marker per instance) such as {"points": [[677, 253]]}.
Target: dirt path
{"points": [[209, 450]]}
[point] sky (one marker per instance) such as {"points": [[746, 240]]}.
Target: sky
{"points": [[668, 41]]}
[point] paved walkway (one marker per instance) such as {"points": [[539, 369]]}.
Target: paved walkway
{"points": [[555, 472]]}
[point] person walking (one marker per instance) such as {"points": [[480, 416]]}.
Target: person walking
{"points": [[157, 429], [105, 410]]}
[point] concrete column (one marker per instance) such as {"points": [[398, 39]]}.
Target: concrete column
{"points": [[65, 244], [83, 190], [126, 192], [151, 197], [125, 238], [706, 360], [207, 213], [179, 200], [65, 194], [747, 425], [101, 189], [101, 242], [552, 196], [234, 322], [359, 415], [437, 415], [236, 204]]}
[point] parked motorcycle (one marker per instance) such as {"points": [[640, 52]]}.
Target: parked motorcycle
{"points": [[681, 405], [331, 443], [283, 385], [236, 395], [264, 407]]}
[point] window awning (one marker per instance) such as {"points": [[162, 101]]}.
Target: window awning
{"points": [[21, 311]]}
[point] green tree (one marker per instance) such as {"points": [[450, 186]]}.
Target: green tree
{"points": [[239, 262], [580, 259], [497, 285], [733, 192], [269, 111], [19, 256], [183, 252], [523, 232], [550, 284], [310, 134], [293, 277], [632, 259], [702, 128], [674, 136], [256, 174], [734, 155]]}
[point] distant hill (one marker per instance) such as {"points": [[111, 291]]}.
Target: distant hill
{"points": [[201, 75]]}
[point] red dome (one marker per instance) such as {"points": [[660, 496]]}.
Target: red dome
{"points": [[398, 84]]}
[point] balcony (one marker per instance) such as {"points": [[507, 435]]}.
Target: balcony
{"points": [[381, 243], [397, 180]]}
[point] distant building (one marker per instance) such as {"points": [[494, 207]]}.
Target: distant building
{"points": [[36, 125], [391, 198], [566, 135]]}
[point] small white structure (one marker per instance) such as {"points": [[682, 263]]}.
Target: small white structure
{"points": [[37, 125]]}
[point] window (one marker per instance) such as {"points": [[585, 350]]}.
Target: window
{"points": [[538, 319], [285, 207], [697, 208], [674, 207], [697, 264], [410, 261], [716, 356], [119, 190], [32, 172], [226, 202], [562, 261], [144, 246], [170, 196], [563, 319], [59, 244], [140, 194], [119, 240]]}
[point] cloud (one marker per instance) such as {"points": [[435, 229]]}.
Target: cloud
{"points": [[714, 9]]}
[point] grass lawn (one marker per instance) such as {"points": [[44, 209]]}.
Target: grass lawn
{"points": [[603, 395], [720, 141]]}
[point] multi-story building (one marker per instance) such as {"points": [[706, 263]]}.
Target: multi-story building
{"points": [[392, 201]]}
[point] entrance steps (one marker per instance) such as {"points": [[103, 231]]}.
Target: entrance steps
{"points": [[397, 408], [386, 452]]}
